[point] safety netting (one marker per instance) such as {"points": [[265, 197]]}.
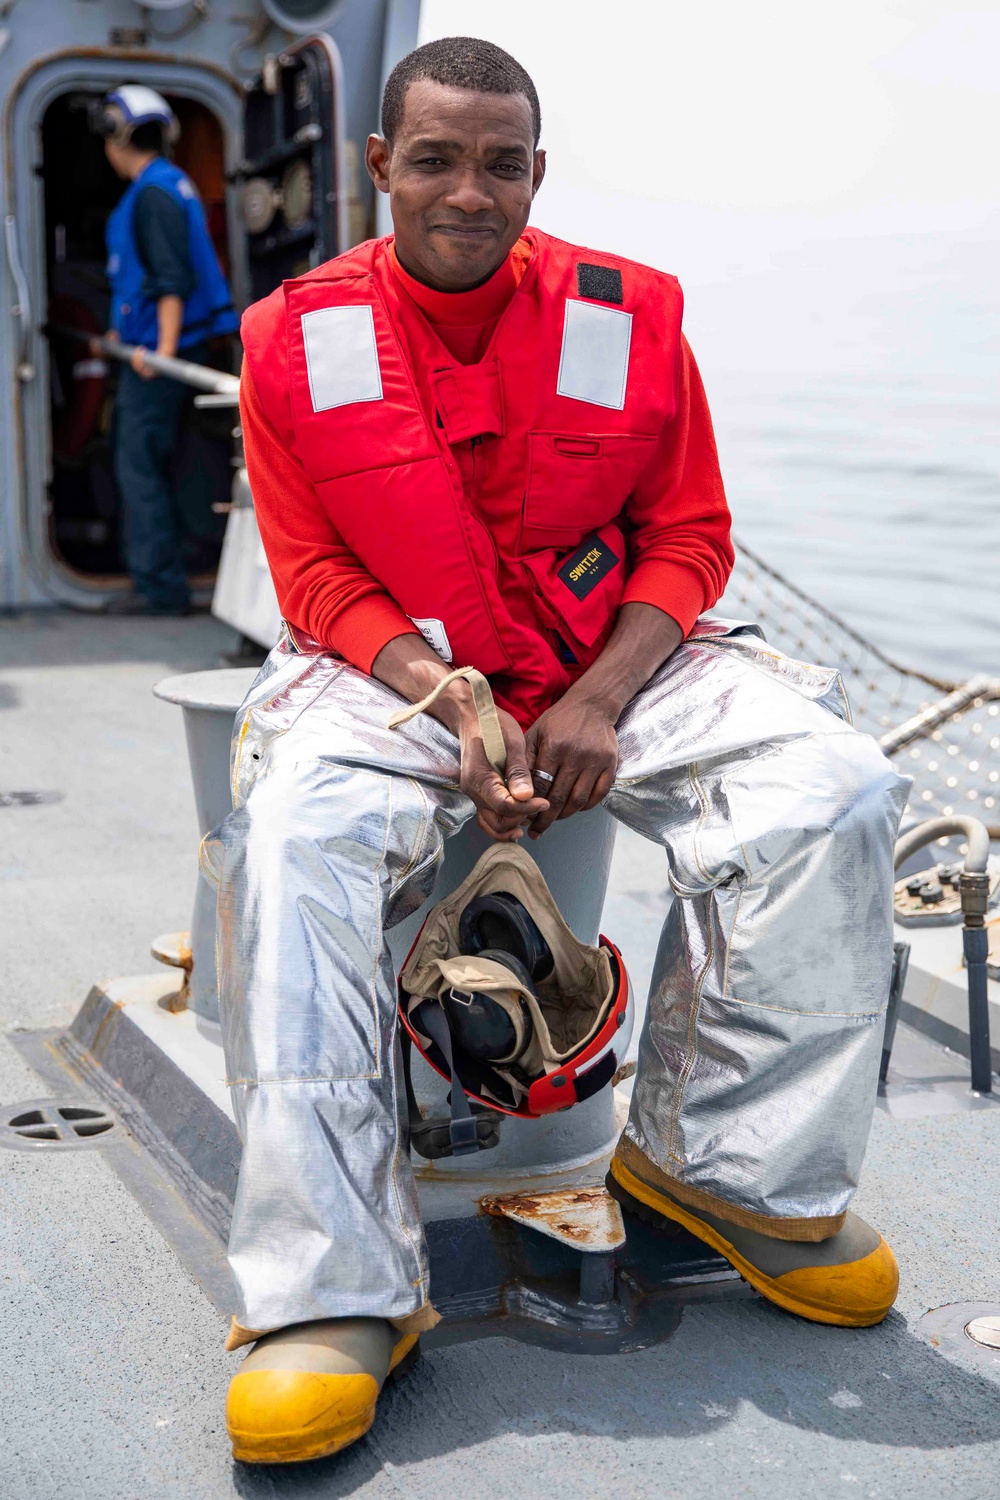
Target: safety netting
{"points": [[946, 735]]}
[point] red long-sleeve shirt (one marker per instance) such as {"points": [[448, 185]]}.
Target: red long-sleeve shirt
{"points": [[677, 514]]}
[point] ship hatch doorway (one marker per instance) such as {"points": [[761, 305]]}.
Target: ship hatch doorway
{"points": [[84, 505]]}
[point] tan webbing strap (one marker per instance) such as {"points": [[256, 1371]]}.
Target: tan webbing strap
{"points": [[486, 713]]}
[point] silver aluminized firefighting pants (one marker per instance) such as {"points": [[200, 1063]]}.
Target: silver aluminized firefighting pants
{"points": [[759, 1057]]}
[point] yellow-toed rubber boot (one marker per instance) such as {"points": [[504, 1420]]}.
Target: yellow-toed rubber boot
{"points": [[850, 1279], [309, 1390]]}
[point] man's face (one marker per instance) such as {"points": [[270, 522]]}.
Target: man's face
{"points": [[461, 174]]}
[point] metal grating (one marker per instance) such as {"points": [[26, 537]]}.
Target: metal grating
{"points": [[40, 1123]]}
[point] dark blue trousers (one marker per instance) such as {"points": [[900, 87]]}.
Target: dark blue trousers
{"points": [[148, 417]]}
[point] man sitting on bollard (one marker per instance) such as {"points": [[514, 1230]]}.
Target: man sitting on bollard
{"points": [[473, 444]]}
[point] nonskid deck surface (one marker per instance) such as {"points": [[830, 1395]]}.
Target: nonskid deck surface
{"points": [[116, 1374]]}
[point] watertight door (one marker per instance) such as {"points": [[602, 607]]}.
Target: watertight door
{"points": [[293, 180], [292, 186], [46, 258]]}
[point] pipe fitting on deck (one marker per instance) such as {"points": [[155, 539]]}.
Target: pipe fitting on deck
{"points": [[974, 893]]}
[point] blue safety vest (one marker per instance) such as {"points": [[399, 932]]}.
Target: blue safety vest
{"points": [[209, 309]]}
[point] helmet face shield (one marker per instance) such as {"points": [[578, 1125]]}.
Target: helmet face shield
{"points": [[533, 1023]]}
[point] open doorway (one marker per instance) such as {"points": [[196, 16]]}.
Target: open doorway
{"points": [[80, 190]]}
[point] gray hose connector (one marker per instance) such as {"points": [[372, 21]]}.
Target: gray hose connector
{"points": [[975, 833]]}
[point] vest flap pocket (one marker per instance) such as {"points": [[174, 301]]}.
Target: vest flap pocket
{"points": [[577, 482], [581, 590]]}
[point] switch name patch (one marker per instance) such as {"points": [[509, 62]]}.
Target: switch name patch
{"points": [[583, 569]]}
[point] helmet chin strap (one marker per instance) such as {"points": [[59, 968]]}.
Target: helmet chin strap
{"points": [[462, 1126], [465, 1131], [486, 712]]}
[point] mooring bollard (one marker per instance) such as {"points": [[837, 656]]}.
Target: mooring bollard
{"points": [[574, 856], [210, 701]]}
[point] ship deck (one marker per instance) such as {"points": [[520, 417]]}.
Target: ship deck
{"points": [[115, 1374]]}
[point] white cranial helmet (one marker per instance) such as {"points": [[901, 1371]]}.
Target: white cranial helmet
{"points": [[131, 105]]}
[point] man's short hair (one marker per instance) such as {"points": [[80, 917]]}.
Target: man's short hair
{"points": [[460, 62]]}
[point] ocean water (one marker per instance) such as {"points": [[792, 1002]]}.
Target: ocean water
{"points": [[881, 502], [855, 390]]}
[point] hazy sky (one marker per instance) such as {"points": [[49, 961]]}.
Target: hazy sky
{"points": [[798, 118]]}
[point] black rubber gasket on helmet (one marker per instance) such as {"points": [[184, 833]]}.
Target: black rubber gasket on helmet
{"points": [[531, 947]]}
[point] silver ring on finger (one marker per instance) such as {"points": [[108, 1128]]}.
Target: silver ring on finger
{"points": [[545, 776]]}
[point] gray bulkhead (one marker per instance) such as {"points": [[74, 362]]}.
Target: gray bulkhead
{"points": [[209, 56]]}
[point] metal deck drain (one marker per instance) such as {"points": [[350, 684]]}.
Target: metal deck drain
{"points": [[984, 1331], [37, 1123], [971, 1329]]}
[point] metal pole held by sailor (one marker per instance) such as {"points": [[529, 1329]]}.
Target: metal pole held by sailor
{"points": [[217, 382]]}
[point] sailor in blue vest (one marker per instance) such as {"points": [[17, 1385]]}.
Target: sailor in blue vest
{"points": [[168, 293]]}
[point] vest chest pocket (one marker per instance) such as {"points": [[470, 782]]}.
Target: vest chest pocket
{"points": [[577, 482]]}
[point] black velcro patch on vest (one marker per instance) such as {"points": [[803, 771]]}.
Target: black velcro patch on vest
{"points": [[600, 283], [583, 569]]}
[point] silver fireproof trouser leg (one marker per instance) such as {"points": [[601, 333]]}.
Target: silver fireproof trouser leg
{"points": [[759, 1057], [758, 1061]]}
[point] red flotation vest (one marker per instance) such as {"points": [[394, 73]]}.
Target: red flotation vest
{"points": [[573, 393]]}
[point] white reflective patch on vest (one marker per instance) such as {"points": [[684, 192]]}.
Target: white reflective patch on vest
{"points": [[341, 356], [593, 365], [436, 636]]}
